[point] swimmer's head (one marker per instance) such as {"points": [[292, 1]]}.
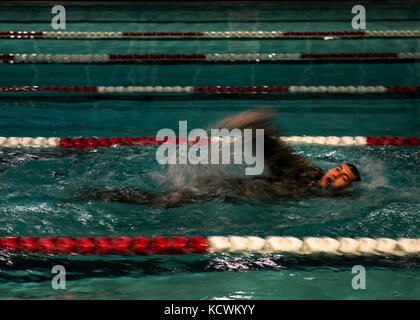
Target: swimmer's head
{"points": [[341, 176]]}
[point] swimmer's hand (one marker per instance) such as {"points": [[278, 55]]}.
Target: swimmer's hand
{"points": [[255, 119]]}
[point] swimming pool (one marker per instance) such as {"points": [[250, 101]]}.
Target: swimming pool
{"points": [[36, 182]]}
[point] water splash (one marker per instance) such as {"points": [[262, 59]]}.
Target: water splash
{"points": [[373, 174], [180, 174]]}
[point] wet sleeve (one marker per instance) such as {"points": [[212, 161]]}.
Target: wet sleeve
{"points": [[277, 155]]}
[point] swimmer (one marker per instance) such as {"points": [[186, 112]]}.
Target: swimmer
{"points": [[289, 175]]}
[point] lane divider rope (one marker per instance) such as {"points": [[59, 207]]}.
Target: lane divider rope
{"points": [[39, 58], [95, 142], [216, 89], [209, 35], [122, 245]]}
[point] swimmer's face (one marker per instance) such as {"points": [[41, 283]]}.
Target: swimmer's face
{"points": [[338, 177]]}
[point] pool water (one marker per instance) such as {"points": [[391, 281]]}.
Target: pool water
{"points": [[36, 185]]}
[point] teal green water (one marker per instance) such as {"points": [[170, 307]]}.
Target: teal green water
{"points": [[35, 184]]}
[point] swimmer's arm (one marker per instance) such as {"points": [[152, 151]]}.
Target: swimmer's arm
{"points": [[283, 162], [254, 119], [278, 156], [234, 198]]}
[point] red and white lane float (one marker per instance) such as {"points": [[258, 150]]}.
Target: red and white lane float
{"points": [[209, 35], [98, 142], [139, 245], [184, 90], [40, 58]]}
